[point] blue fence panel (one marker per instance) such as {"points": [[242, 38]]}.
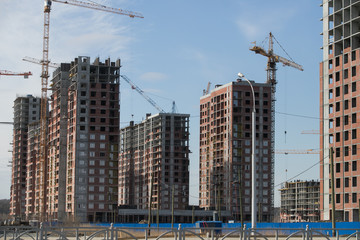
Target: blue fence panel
{"points": [[145, 225], [324, 227]]}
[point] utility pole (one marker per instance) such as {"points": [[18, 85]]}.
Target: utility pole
{"points": [[172, 205], [240, 198], [150, 199], [157, 214], [219, 201], [259, 211], [332, 190], [158, 197], [193, 214]]}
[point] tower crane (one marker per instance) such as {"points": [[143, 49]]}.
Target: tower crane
{"points": [[206, 92], [45, 76], [9, 73], [310, 131], [38, 61], [297, 151], [271, 78], [141, 92]]}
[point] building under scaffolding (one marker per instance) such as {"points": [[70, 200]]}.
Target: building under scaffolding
{"points": [[300, 201]]}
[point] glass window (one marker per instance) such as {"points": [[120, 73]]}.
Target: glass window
{"points": [[354, 165], [354, 181]]}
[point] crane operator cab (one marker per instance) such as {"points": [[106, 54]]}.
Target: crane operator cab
{"points": [[47, 5]]}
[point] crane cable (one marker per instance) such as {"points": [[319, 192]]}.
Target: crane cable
{"points": [[282, 48], [287, 180]]}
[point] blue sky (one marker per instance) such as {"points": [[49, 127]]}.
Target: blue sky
{"points": [[172, 54]]}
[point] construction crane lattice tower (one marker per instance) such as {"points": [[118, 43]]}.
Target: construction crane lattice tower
{"points": [[271, 79], [44, 84]]}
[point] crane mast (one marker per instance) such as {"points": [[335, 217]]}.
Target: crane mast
{"points": [[43, 111], [271, 66], [271, 79], [44, 85]]}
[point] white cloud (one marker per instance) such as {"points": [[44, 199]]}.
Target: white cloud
{"points": [[74, 31], [153, 76], [254, 22], [249, 29]]}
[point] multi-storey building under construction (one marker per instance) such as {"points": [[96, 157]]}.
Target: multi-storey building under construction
{"points": [[57, 144], [33, 175], [92, 140], [153, 164], [26, 111], [340, 110], [82, 150], [225, 150], [300, 201]]}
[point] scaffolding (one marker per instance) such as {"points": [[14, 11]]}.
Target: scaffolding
{"points": [[300, 201]]}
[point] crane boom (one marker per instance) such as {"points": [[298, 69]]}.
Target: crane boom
{"points": [[141, 92], [289, 63], [310, 132], [37, 61], [10, 73], [100, 7], [296, 151], [9, 123]]}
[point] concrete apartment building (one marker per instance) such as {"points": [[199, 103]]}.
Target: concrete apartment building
{"points": [[82, 149], [154, 160], [26, 111], [225, 150], [57, 143], [300, 201], [32, 207], [340, 109], [92, 140]]}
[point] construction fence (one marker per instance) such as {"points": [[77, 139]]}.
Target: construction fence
{"points": [[177, 233]]}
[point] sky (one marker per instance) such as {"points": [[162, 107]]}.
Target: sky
{"points": [[171, 54]]}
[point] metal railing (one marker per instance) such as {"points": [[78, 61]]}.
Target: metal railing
{"points": [[181, 233]]}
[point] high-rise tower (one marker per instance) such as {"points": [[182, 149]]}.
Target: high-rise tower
{"points": [[93, 119], [154, 163], [26, 111], [57, 145], [340, 109], [81, 167], [225, 150]]}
